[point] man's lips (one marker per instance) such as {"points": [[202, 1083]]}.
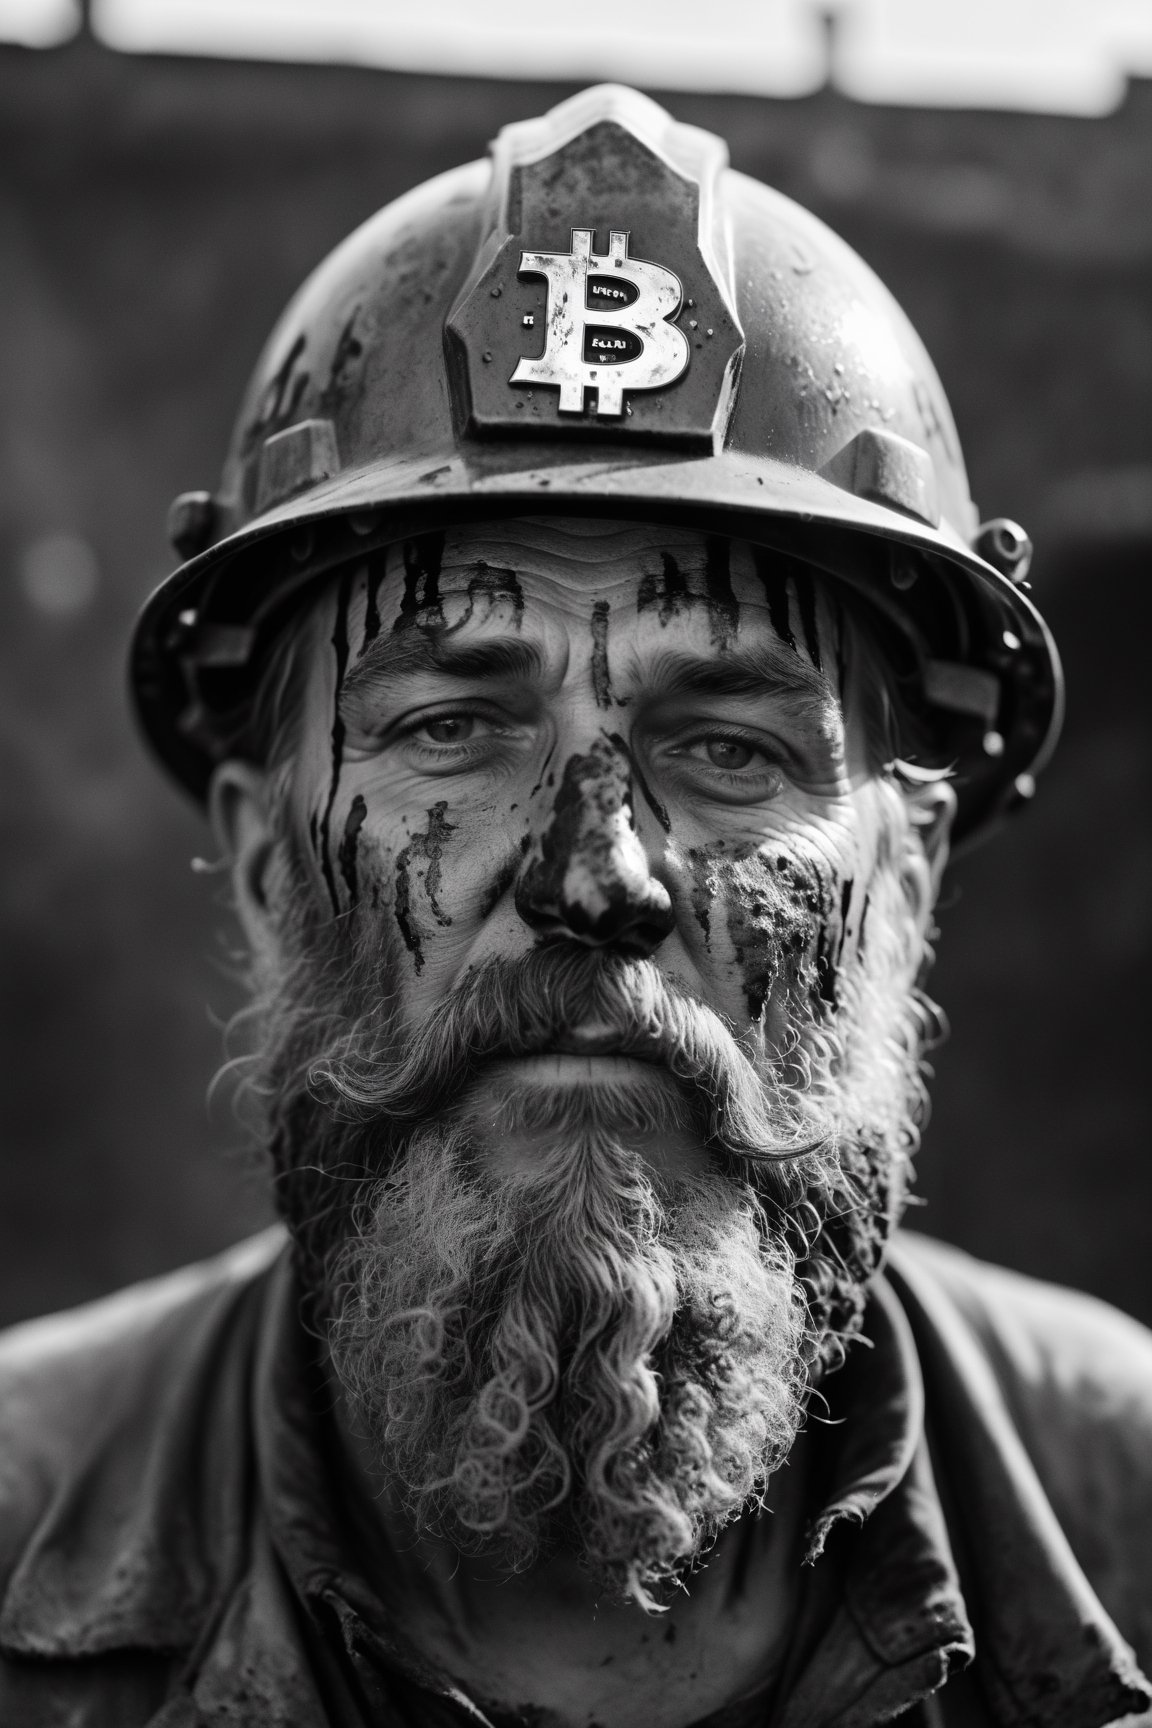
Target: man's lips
{"points": [[566, 1068], [603, 1041]]}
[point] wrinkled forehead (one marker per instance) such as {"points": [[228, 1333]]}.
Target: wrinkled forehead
{"points": [[636, 583]]}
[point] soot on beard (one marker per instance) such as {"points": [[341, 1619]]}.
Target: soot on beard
{"points": [[778, 912]]}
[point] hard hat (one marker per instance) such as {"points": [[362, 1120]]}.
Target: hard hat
{"points": [[605, 319]]}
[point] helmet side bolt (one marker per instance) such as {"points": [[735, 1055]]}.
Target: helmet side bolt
{"points": [[1005, 546], [192, 523]]}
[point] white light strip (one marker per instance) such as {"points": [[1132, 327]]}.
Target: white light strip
{"points": [[1057, 56], [38, 23]]}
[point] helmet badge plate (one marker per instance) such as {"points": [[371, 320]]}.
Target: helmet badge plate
{"points": [[600, 302], [607, 326]]}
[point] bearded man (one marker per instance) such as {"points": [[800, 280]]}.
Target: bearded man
{"points": [[585, 663]]}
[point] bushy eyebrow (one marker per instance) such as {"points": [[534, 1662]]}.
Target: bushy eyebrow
{"points": [[751, 669], [415, 653]]}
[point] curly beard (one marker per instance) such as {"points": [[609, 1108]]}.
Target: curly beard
{"points": [[585, 1351]]}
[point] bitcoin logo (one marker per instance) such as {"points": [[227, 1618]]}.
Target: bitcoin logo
{"points": [[607, 326]]}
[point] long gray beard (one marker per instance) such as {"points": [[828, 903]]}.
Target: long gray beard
{"points": [[579, 1352]]}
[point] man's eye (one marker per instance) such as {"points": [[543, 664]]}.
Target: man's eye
{"points": [[729, 752], [449, 728]]}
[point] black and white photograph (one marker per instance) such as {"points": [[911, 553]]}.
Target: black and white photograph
{"points": [[575, 911]]}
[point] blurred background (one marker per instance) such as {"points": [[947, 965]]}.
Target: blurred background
{"points": [[169, 171]]}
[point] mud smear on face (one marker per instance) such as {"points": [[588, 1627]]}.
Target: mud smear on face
{"points": [[340, 646], [492, 583], [668, 593], [578, 846], [777, 911], [723, 607], [422, 859], [347, 857], [420, 604], [671, 594]]}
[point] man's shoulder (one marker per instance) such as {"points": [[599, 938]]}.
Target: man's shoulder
{"points": [[1068, 1375], [1083, 1354], [77, 1383]]}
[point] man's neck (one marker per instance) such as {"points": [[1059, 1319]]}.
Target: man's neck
{"points": [[551, 1644]]}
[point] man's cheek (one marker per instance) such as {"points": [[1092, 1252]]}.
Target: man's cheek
{"points": [[435, 874], [771, 922]]}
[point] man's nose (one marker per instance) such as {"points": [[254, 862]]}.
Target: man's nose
{"points": [[588, 875]]}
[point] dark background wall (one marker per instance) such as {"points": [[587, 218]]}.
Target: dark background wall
{"points": [[154, 215]]}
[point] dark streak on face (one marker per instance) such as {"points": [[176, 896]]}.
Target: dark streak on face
{"points": [[646, 791], [544, 770], [350, 843], [702, 863], [806, 600], [670, 593], [845, 903], [841, 648], [773, 574], [428, 849], [421, 604], [723, 607], [601, 683], [375, 575], [340, 644]]}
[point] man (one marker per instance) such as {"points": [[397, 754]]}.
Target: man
{"points": [[585, 663]]}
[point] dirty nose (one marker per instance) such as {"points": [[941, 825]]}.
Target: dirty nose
{"points": [[588, 875]]}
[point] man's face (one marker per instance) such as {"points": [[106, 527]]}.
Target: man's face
{"points": [[591, 1037], [616, 735]]}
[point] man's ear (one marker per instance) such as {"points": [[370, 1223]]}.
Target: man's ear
{"points": [[931, 806], [239, 807]]}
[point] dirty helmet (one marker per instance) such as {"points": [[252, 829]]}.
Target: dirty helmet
{"points": [[604, 319]]}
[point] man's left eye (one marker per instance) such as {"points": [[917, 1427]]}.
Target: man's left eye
{"points": [[449, 728]]}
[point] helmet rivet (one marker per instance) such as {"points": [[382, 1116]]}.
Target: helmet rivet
{"points": [[1005, 546], [1024, 786], [192, 522], [1011, 641], [993, 744]]}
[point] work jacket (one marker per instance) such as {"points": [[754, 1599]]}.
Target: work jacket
{"points": [[176, 1550]]}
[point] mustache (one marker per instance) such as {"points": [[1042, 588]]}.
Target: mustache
{"points": [[560, 997]]}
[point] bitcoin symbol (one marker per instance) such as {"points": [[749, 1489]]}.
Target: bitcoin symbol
{"points": [[623, 342]]}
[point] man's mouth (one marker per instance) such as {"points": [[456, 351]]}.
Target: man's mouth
{"points": [[562, 1067], [604, 1043]]}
